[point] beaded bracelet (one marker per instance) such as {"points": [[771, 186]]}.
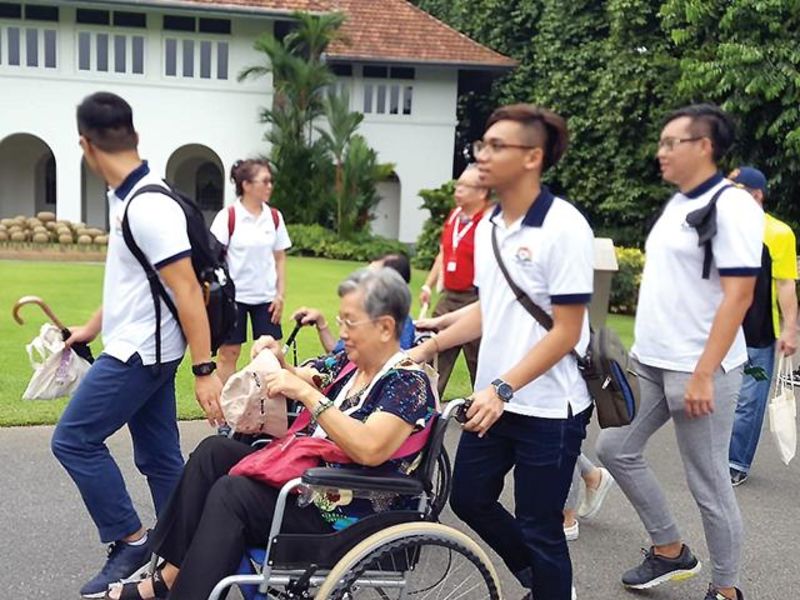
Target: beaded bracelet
{"points": [[320, 408]]}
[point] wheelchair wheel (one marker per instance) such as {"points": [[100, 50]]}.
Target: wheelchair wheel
{"points": [[441, 485], [413, 560]]}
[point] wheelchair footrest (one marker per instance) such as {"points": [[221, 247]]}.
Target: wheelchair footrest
{"points": [[296, 550]]}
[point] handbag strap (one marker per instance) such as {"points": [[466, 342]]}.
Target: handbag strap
{"points": [[536, 311], [304, 418]]}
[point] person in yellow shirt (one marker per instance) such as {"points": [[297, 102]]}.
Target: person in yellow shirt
{"points": [[775, 288]]}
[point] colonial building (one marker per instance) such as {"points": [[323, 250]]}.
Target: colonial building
{"points": [[177, 61]]}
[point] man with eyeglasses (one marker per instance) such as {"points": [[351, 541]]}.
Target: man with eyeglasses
{"points": [[531, 406], [689, 351], [455, 265], [775, 287]]}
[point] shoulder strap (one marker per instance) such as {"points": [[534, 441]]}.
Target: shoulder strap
{"points": [[704, 220], [231, 222], [536, 311], [276, 217], [156, 287]]}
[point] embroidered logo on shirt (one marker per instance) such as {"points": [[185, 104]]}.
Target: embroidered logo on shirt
{"points": [[523, 255]]}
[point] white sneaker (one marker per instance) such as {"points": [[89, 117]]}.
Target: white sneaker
{"points": [[572, 532], [593, 499], [574, 595]]}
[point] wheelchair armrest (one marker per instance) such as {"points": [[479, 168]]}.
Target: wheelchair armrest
{"points": [[344, 479]]}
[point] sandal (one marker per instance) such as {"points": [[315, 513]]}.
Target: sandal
{"points": [[130, 590]]}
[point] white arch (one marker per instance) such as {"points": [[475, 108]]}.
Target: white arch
{"points": [[191, 169], [27, 175]]}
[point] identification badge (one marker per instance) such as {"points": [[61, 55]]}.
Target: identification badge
{"points": [[451, 266]]}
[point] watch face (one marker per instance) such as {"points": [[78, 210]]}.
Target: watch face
{"points": [[504, 391]]}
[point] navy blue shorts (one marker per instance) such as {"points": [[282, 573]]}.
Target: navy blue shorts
{"points": [[259, 317]]}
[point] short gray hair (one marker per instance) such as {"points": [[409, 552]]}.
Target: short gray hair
{"points": [[385, 294]]}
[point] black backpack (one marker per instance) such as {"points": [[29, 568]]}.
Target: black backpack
{"points": [[208, 261]]}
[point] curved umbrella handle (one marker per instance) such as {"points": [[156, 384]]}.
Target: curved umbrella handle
{"points": [[41, 303]]}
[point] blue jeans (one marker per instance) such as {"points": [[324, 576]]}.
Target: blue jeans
{"points": [[750, 408], [114, 393], [542, 453]]}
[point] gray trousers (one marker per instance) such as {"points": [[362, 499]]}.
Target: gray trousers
{"points": [[703, 445], [582, 467]]}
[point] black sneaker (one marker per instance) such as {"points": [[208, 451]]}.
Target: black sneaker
{"points": [[713, 594], [656, 570], [738, 477], [123, 561]]}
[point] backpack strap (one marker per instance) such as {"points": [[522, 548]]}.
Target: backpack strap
{"points": [[704, 220], [536, 311], [276, 217], [157, 289], [231, 222]]}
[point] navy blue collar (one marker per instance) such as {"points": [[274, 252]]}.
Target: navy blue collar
{"points": [[131, 180], [538, 210], [704, 187]]}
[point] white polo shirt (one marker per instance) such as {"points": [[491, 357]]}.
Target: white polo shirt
{"points": [[251, 259], [549, 254], [158, 226], [676, 305]]}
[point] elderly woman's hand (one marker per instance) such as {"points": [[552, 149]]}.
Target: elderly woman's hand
{"points": [[267, 342], [288, 384]]}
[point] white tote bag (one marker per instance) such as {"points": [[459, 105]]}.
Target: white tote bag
{"points": [[57, 370], [783, 412]]}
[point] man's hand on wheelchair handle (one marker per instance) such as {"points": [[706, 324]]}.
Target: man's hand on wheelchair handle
{"points": [[484, 411], [207, 390]]}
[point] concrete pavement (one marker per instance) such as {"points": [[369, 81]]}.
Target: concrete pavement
{"points": [[49, 548]]}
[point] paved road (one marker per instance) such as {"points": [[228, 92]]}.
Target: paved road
{"points": [[48, 548]]}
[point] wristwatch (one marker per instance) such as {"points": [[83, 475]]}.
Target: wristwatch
{"points": [[203, 369], [503, 390]]}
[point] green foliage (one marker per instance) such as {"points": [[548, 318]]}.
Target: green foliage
{"points": [[438, 203], [324, 172], [615, 68], [625, 284], [315, 240], [745, 56]]}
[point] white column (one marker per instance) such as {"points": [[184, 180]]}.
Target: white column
{"points": [[68, 182]]}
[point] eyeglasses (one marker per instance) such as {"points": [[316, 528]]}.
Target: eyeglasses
{"points": [[469, 186], [495, 146], [350, 324], [669, 144], [266, 182]]}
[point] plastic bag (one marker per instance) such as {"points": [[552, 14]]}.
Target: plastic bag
{"points": [[57, 369], [783, 412]]}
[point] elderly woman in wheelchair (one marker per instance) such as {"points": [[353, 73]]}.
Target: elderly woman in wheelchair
{"points": [[370, 412]]}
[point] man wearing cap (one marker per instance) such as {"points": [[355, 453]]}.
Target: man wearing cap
{"points": [[775, 287]]}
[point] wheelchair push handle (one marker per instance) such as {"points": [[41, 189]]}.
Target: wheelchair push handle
{"points": [[457, 408]]}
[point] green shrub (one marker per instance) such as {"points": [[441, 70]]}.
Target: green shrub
{"points": [[439, 203], [315, 240], [625, 284]]}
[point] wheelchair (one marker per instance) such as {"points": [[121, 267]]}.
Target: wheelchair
{"points": [[397, 554]]}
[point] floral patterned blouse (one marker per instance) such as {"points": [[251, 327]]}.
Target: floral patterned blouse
{"points": [[404, 391]]}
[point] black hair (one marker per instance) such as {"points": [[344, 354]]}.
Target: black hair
{"points": [[106, 121], [709, 120], [246, 170], [548, 127], [398, 262]]}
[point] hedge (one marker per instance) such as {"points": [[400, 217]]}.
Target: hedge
{"points": [[315, 240], [625, 284]]}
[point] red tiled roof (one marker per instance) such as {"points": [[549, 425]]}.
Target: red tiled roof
{"points": [[388, 30]]}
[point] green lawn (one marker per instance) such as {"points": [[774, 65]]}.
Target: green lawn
{"points": [[74, 290]]}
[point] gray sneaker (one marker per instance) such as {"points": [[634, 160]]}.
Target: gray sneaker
{"points": [[655, 570]]}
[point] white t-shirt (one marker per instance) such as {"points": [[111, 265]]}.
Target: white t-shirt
{"points": [[676, 305], [549, 253], [251, 259], [158, 226]]}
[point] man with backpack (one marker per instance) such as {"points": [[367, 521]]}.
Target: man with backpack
{"points": [[128, 385], [703, 255]]}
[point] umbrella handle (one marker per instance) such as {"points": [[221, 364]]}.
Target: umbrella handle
{"points": [[39, 302]]}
